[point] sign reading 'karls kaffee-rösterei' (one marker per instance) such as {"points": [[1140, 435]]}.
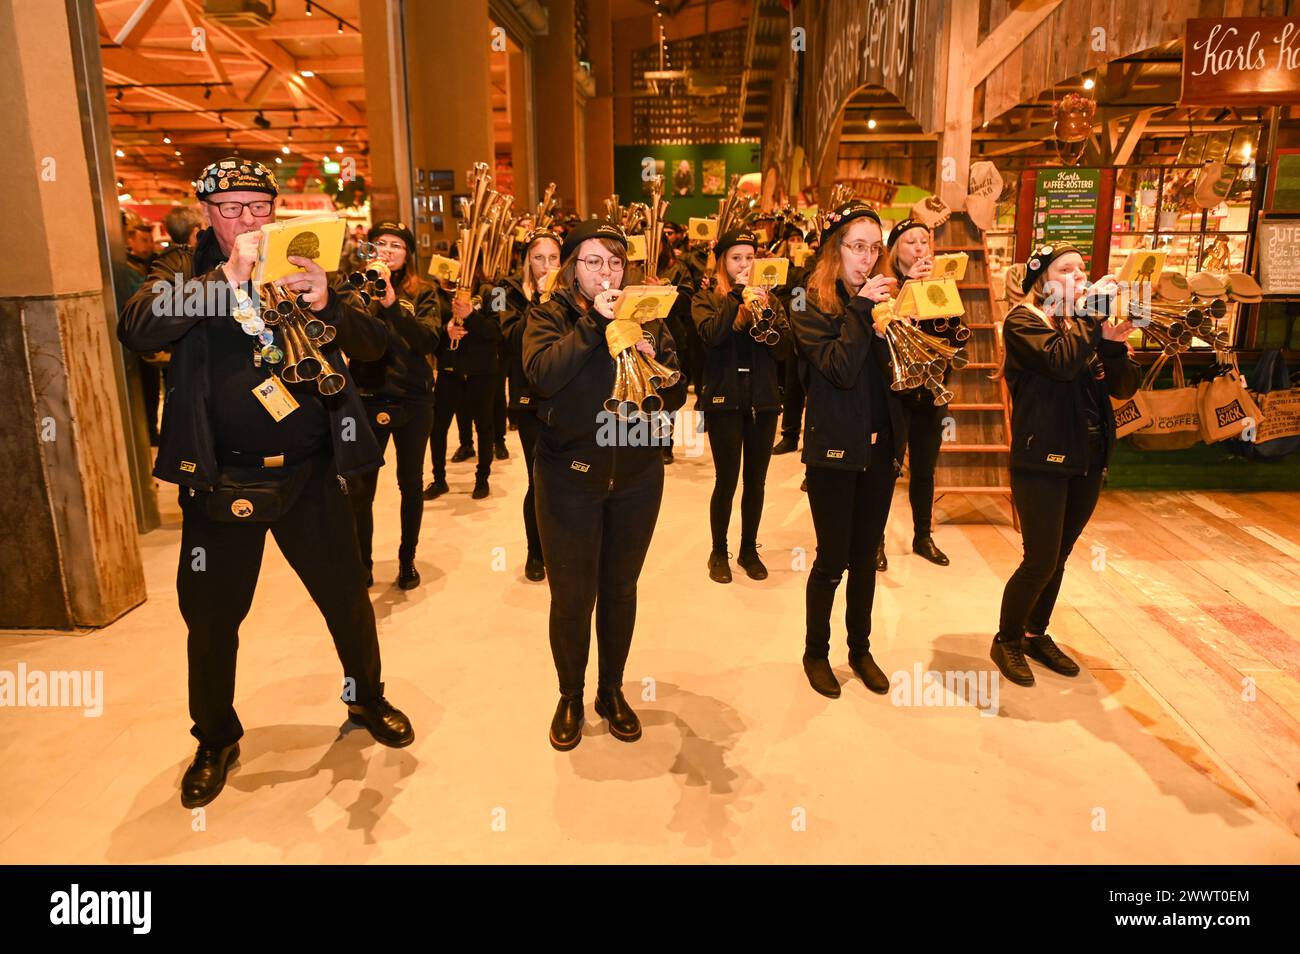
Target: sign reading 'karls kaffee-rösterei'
{"points": [[1241, 61]]}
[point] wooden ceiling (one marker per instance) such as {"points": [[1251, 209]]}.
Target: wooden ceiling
{"points": [[173, 74]]}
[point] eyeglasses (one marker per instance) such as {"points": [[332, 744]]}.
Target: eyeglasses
{"points": [[388, 246], [594, 263], [233, 210], [862, 248]]}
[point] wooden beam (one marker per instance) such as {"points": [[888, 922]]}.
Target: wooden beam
{"points": [[140, 22], [208, 51], [265, 83], [1008, 35], [1129, 139], [961, 26], [334, 64]]}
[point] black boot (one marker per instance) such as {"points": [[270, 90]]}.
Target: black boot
{"points": [[566, 725], [500, 451], [924, 546], [206, 776], [435, 489], [719, 568], [481, 488], [463, 452], [820, 676], [1009, 655], [751, 564], [535, 568], [388, 725], [408, 577], [668, 454], [1042, 649], [882, 561], [613, 708], [786, 445], [871, 675]]}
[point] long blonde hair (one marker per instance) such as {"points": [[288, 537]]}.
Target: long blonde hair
{"points": [[530, 286]]}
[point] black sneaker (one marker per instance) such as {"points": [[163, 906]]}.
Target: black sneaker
{"points": [[435, 489], [408, 577], [500, 451], [534, 568], [786, 445], [463, 452], [719, 568], [751, 564], [1009, 655], [481, 489], [1042, 649]]}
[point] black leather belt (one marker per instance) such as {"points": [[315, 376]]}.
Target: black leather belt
{"points": [[241, 459]]}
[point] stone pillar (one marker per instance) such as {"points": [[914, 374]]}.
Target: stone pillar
{"points": [[555, 98], [598, 145], [71, 557]]}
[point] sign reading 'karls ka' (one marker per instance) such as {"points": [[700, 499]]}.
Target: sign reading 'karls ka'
{"points": [[1241, 61]]}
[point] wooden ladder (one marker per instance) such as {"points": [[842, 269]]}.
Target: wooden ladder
{"points": [[980, 407]]}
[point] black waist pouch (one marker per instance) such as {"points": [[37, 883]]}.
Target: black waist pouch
{"points": [[385, 411], [254, 494]]}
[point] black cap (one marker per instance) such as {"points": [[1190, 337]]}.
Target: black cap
{"points": [[543, 233], [235, 174], [846, 213], [793, 231], [735, 237], [393, 228], [904, 226], [590, 229], [1040, 259]]}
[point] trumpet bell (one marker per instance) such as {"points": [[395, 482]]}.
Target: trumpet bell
{"points": [[330, 382]]}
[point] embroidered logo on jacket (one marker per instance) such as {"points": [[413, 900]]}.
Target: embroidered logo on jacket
{"points": [[580, 467], [1056, 458], [835, 454], [188, 466], [525, 399], [720, 399]]}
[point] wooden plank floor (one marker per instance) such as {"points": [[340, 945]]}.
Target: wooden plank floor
{"points": [[1180, 741]]}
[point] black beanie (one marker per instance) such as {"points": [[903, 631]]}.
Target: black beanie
{"points": [[904, 226], [590, 229], [234, 174], [1040, 259], [735, 237], [846, 213], [393, 228]]}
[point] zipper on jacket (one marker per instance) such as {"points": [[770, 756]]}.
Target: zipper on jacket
{"points": [[343, 484]]}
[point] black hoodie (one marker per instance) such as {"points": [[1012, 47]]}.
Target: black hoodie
{"points": [[414, 326], [571, 372], [514, 319], [845, 370], [1050, 372], [730, 350]]}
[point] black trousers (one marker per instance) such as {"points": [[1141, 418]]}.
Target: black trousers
{"points": [[153, 381], [734, 435], [529, 427], [849, 510], [924, 438], [1053, 512], [409, 441], [464, 420], [451, 389], [792, 401], [499, 409], [219, 566], [594, 542]]}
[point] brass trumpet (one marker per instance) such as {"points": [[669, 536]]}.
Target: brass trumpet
{"points": [[637, 376], [917, 359], [478, 218], [302, 335]]}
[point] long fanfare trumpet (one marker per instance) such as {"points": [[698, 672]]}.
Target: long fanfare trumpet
{"points": [[765, 325], [637, 376], [478, 218], [302, 335], [916, 359], [545, 208], [1172, 327], [654, 231]]}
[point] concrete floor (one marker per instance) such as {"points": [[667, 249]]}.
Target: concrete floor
{"points": [[1180, 741]]}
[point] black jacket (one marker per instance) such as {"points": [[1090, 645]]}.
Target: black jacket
{"points": [[479, 352], [414, 327], [845, 372], [514, 319], [571, 371], [186, 447], [714, 314], [1047, 371]]}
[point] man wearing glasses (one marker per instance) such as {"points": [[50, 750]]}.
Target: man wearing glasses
{"points": [[252, 453]]}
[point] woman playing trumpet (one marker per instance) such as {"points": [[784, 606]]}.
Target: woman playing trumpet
{"points": [[740, 396], [1062, 366], [398, 391], [541, 255], [597, 501], [853, 444], [911, 255]]}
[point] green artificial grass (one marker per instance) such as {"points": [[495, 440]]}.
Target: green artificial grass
{"points": [[1200, 467]]}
